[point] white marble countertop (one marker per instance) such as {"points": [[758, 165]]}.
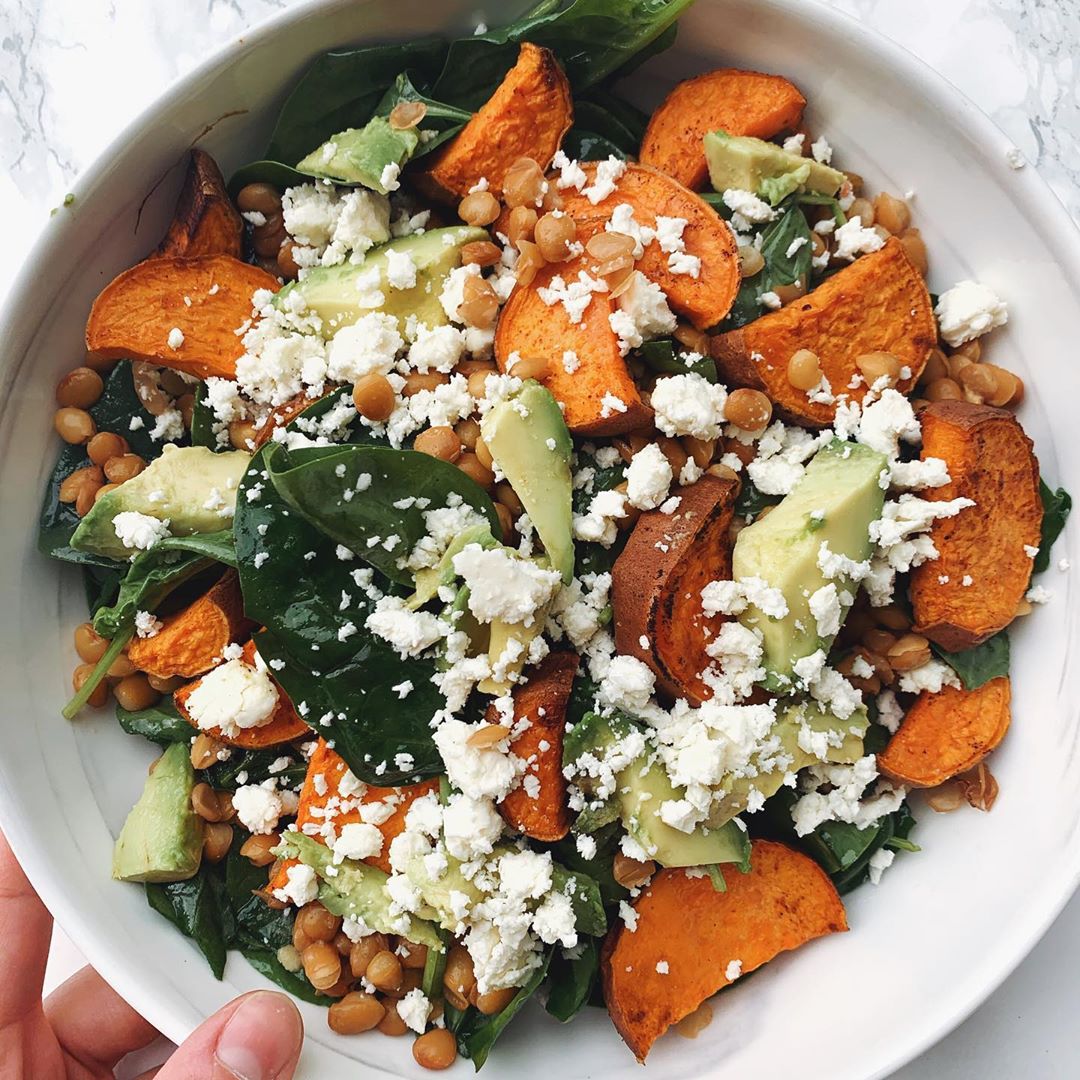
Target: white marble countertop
{"points": [[73, 72]]}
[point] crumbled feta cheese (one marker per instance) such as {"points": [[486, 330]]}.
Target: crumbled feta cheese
{"points": [[147, 625], [689, 405], [176, 338], [259, 808], [648, 478], [604, 183], [748, 205], [414, 1009], [301, 885], [503, 586], [852, 239], [139, 531], [233, 697], [969, 310]]}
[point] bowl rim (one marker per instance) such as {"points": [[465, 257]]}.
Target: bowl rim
{"points": [[1042, 208]]}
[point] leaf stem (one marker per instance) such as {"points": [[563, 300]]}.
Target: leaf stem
{"points": [[82, 696]]}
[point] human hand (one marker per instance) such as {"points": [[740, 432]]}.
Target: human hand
{"points": [[84, 1027]]}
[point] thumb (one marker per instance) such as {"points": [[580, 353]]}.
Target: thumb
{"points": [[256, 1037]]}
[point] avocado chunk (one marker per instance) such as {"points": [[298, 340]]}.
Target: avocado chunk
{"points": [[807, 735], [642, 790], [355, 889], [507, 666], [530, 443], [749, 164], [191, 487], [372, 156], [162, 838], [342, 295], [827, 514]]}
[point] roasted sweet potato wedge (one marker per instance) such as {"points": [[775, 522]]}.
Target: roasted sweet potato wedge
{"points": [[527, 116], [285, 726], [877, 304], [738, 102], [947, 733], [135, 315], [692, 940], [587, 389], [322, 790], [538, 808], [205, 221], [981, 551], [704, 299], [190, 642], [657, 582]]}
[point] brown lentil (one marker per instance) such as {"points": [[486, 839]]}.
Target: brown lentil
{"points": [[893, 617], [104, 490], [863, 209], [204, 802], [101, 691], [468, 431], [524, 183], [121, 667], [267, 239], [217, 839], [407, 114], [89, 644], [416, 381], [479, 305], [508, 497], [458, 976], [257, 849], [554, 233], [317, 922], [804, 369], [751, 261], [911, 651], [748, 409], [363, 950], [242, 434], [391, 1023], [480, 253], [876, 365], [472, 467], [531, 367], [286, 260], [73, 483], [322, 965], [936, 367], [530, 262], [521, 225], [75, 426], [86, 497], [439, 442], [135, 693], [123, 468], [435, 1049], [413, 956], [494, 1001], [788, 293], [354, 1013], [79, 389], [915, 248], [944, 390], [384, 971], [262, 198], [104, 446], [205, 749], [701, 450], [478, 208], [631, 873], [506, 522], [891, 212]]}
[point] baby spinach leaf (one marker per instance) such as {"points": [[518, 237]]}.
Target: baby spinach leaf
{"points": [[253, 767], [112, 412], [202, 421], [591, 116], [585, 898], [446, 120], [477, 1033], [571, 979], [266, 171], [588, 146], [160, 723], [320, 483], [664, 357], [256, 923], [751, 501], [342, 90], [101, 584], [781, 268], [598, 868], [980, 664], [198, 909], [1056, 507], [266, 963], [354, 703], [156, 572]]}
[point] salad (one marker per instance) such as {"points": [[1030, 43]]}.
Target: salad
{"points": [[550, 543]]}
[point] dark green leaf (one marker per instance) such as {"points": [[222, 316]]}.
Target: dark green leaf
{"points": [[342, 90], [266, 963], [157, 572], [113, 412], [202, 422], [1056, 507], [256, 923], [599, 867], [198, 908], [585, 898], [478, 1033], [314, 482], [980, 664], [446, 120], [663, 356], [253, 767], [265, 171], [571, 981], [591, 116], [588, 146], [367, 719], [780, 268], [160, 723], [101, 584], [751, 501]]}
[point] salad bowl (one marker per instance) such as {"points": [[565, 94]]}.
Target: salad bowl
{"points": [[945, 927]]}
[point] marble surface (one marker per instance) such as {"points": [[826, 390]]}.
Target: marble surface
{"points": [[74, 72]]}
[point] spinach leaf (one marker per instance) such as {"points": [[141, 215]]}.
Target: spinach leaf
{"points": [[751, 501], [160, 723], [354, 703], [980, 664], [198, 908], [266, 963], [446, 120], [253, 767], [266, 171], [319, 482], [113, 412], [599, 868], [588, 146], [663, 356], [597, 119], [256, 923], [585, 898], [202, 422], [1056, 507], [571, 980], [342, 90], [780, 267], [156, 572], [477, 1033], [102, 584]]}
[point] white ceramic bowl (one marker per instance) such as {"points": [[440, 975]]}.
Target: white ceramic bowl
{"points": [[944, 928]]}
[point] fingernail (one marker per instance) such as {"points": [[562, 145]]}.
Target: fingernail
{"points": [[261, 1040]]}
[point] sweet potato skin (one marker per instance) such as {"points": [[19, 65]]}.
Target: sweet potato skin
{"points": [[285, 726], [205, 221], [527, 116], [325, 762], [529, 327], [784, 901], [991, 461], [704, 299], [947, 733], [877, 304], [738, 102], [191, 641], [134, 314], [657, 581], [542, 701]]}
